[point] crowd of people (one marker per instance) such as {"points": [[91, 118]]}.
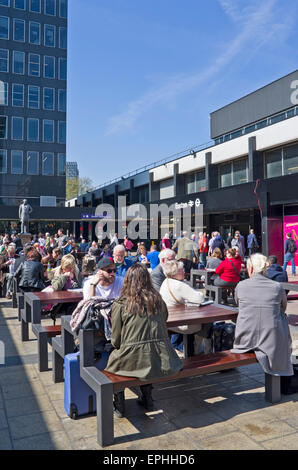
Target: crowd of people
{"points": [[143, 283]]}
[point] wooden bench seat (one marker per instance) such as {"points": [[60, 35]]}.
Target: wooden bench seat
{"points": [[104, 384], [53, 331]]}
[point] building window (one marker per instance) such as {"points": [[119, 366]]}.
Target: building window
{"points": [[34, 5], [282, 162], [290, 156], [18, 95], [273, 162], [3, 93], [4, 3], [49, 99], [62, 132], [61, 164], [48, 164], [16, 162], [3, 127], [63, 38], [50, 7], [4, 27], [3, 60], [17, 128], [3, 161], [34, 65], [49, 35], [18, 62], [33, 97], [48, 130], [233, 173], [167, 188], [18, 30], [49, 67], [34, 33], [62, 69], [62, 101], [33, 130], [19, 4], [63, 8], [32, 163], [195, 182]]}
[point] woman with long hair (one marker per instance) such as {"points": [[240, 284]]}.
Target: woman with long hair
{"points": [[140, 336]]}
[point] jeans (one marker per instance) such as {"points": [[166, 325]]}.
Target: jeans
{"points": [[177, 341], [290, 257], [203, 258], [9, 283]]}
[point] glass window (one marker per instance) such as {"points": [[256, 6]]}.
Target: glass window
{"points": [[200, 181], [290, 160], [278, 118], [240, 172], [63, 8], [4, 3], [62, 132], [18, 30], [3, 93], [273, 164], [18, 95], [261, 124], [236, 134], [3, 60], [49, 67], [3, 161], [249, 129], [48, 99], [48, 130], [166, 188], [34, 65], [190, 184], [16, 162], [50, 7], [33, 97], [62, 101], [226, 175], [33, 129], [49, 35], [61, 164], [34, 5], [20, 4], [63, 38], [34, 32], [4, 27], [32, 163], [17, 125], [18, 62], [48, 164], [290, 113], [3, 127], [62, 69]]}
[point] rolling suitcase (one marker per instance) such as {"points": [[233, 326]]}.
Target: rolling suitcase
{"points": [[79, 398]]}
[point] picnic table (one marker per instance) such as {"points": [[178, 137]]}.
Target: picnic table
{"points": [[292, 285]]}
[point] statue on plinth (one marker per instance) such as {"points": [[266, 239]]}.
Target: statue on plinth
{"points": [[24, 215]]}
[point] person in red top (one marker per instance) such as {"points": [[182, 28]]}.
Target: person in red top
{"points": [[228, 271], [166, 243], [203, 248]]}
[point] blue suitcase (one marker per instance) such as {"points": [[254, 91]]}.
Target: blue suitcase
{"points": [[79, 398]]}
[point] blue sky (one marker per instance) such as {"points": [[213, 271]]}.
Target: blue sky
{"points": [[143, 75]]}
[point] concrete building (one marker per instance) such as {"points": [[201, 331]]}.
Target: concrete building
{"points": [[72, 170]]}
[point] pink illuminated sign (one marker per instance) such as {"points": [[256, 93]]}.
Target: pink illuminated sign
{"points": [[291, 226]]}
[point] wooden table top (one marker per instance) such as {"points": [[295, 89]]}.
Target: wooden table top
{"points": [[292, 285], [184, 315], [62, 296]]}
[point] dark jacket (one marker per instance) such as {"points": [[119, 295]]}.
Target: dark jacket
{"points": [[219, 243], [157, 277], [252, 241], [30, 274], [276, 273], [3, 268]]}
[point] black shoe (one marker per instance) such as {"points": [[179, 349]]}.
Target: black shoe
{"points": [[119, 404], [145, 399]]}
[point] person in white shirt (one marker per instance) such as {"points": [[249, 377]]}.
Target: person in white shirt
{"points": [[175, 291], [104, 283]]}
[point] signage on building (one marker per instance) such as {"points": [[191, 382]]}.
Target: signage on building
{"points": [[190, 203], [95, 217]]}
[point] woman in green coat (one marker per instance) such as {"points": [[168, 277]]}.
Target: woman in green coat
{"points": [[140, 336]]}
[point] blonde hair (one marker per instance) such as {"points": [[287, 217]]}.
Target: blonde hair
{"points": [[67, 261], [258, 262], [171, 268]]}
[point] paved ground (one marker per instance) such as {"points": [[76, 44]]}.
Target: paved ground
{"points": [[218, 411]]}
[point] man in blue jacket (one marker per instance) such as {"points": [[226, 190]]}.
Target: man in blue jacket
{"points": [[274, 271], [290, 250], [252, 243], [122, 263]]}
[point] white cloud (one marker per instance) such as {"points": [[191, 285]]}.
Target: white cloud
{"points": [[257, 26]]}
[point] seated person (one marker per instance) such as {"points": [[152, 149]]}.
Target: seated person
{"points": [[57, 257], [174, 291], [214, 261], [7, 268], [262, 325], [228, 272], [152, 257], [122, 263], [157, 274], [274, 271], [88, 267], [67, 275], [140, 336], [30, 273], [104, 283], [143, 256]]}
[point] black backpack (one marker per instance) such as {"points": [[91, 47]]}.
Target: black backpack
{"points": [[292, 246]]}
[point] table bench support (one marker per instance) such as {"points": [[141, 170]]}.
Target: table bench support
{"points": [[272, 388], [42, 347]]}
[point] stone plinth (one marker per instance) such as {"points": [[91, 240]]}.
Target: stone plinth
{"points": [[25, 238]]}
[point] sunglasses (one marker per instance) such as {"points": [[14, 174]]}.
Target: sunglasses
{"points": [[111, 271]]}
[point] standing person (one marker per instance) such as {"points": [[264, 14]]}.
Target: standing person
{"points": [[203, 248], [252, 243], [114, 240], [157, 274], [152, 257], [7, 268], [290, 250], [218, 243], [186, 249], [210, 243], [165, 242], [62, 239], [242, 241], [128, 244], [229, 240], [140, 337], [237, 242]]}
